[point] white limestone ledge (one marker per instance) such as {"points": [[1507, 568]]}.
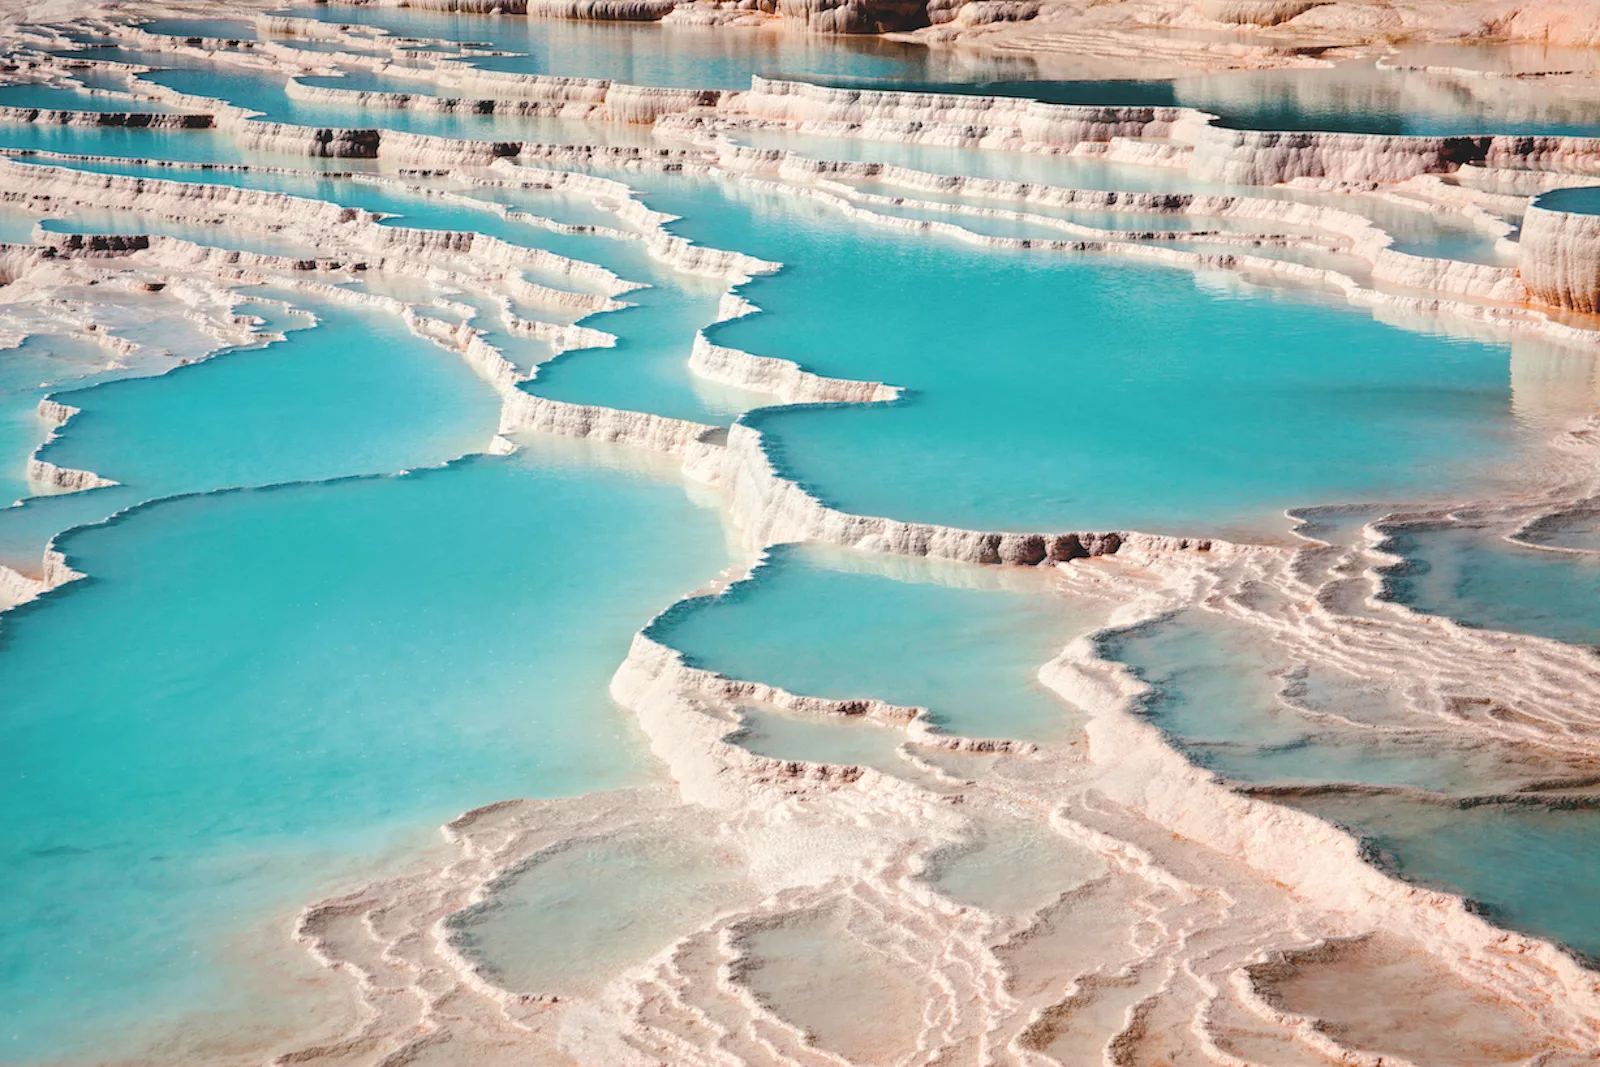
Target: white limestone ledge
{"points": [[1560, 258]]}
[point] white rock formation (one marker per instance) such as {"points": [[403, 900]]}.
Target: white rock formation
{"points": [[1559, 253]]}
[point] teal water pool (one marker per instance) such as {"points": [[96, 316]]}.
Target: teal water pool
{"points": [[829, 623], [286, 686], [1480, 579], [1056, 391], [324, 403], [320, 619]]}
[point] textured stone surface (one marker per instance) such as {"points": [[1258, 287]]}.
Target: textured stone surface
{"points": [[1561, 259]]}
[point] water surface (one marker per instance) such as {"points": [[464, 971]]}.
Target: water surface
{"points": [[1478, 578], [961, 641], [1533, 868], [357, 394], [285, 685], [1053, 391], [65, 98]]}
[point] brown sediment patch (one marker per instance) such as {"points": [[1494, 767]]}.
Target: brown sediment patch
{"points": [[832, 973], [1385, 994]]}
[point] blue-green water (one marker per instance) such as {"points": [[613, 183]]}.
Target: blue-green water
{"points": [[832, 624], [259, 691], [200, 436], [265, 695], [1352, 97], [1582, 201], [16, 227], [1534, 868], [1478, 578], [26, 374], [637, 53], [207, 146], [57, 98], [647, 370], [1217, 694], [467, 123], [1057, 392], [95, 78], [357, 395], [264, 94]]}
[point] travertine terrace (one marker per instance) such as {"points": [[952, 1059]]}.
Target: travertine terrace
{"points": [[1213, 923]]}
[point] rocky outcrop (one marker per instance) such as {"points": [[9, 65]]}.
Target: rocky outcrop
{"points": [[129, 120], [285, 139], [1560, 259], [1568, 23], [933, 118], [50, 478], [602, 10], [1555, 155], [1256, 12], [856, 16], [1256, 157], [470, 7]]}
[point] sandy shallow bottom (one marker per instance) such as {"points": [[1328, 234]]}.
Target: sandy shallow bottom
{"points": [[1044, 572]]}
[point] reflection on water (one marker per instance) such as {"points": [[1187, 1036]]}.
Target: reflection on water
{"points": [[1352, 97]]}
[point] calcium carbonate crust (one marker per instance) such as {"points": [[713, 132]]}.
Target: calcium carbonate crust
{"points": [[1216, 887]]}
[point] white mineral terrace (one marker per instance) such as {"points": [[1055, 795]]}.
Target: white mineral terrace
{"points": [[1204, 900]]}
